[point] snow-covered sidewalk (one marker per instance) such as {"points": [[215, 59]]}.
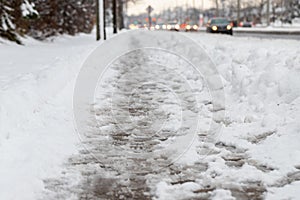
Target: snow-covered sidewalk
{"points": [[257, 152]]}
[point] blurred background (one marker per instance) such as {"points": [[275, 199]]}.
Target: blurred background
{"points": [[41, 19]]}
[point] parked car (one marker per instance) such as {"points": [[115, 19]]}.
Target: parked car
{"points": [[246, 24], [219, 25], [234, 23]]}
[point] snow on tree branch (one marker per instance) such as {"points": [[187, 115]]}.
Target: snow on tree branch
{"points": [[28, 9]]}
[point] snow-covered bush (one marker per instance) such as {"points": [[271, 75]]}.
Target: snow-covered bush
{"points": [[43, 18], [63, 17], [13, 15], [28, 10], [7, 25]]}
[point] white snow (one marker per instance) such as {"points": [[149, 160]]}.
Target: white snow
{"points": [[271, 29], [28, 8], [36, 124], [262, 89], [262, 82], [221, 194]]}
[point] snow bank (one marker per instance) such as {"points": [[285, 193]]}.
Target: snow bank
{"points": [[261, 79], [36, 125], [262, 86]]}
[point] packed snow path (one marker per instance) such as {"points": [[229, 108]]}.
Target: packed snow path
{"points": [[139, 111]]}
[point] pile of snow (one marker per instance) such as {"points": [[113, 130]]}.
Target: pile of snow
{"points": [[36, 124], [262, 88], [294, 24], [271, 29]]}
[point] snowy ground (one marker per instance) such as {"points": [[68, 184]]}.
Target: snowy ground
{"points": [[36, 128], [257, 154]]}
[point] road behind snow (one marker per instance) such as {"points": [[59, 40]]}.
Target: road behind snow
{"points": [[256, 155]]}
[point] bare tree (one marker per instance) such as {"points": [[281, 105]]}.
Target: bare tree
{"points": [[118, 13], [121, 14], [115, 17], [104, 19], [268, 12], [238, 11], [217, 8], [97, 20]]}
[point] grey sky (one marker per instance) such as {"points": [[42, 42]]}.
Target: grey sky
{"points": [[159, 5]]}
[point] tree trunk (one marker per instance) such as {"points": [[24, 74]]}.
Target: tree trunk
{"points": [[268, 12], [104, 19], [97, 20], [238, 12], [121, 14], [115, 20], [217, 8]]}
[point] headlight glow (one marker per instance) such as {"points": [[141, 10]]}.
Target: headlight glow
{"points": [[214, 28], [177, 27], [132, 26], [169, 27], [188, 27], [228, 27], [157, 27], [195, 27]]}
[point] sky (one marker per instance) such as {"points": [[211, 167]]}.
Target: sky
{"points": [[159, 5]]}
